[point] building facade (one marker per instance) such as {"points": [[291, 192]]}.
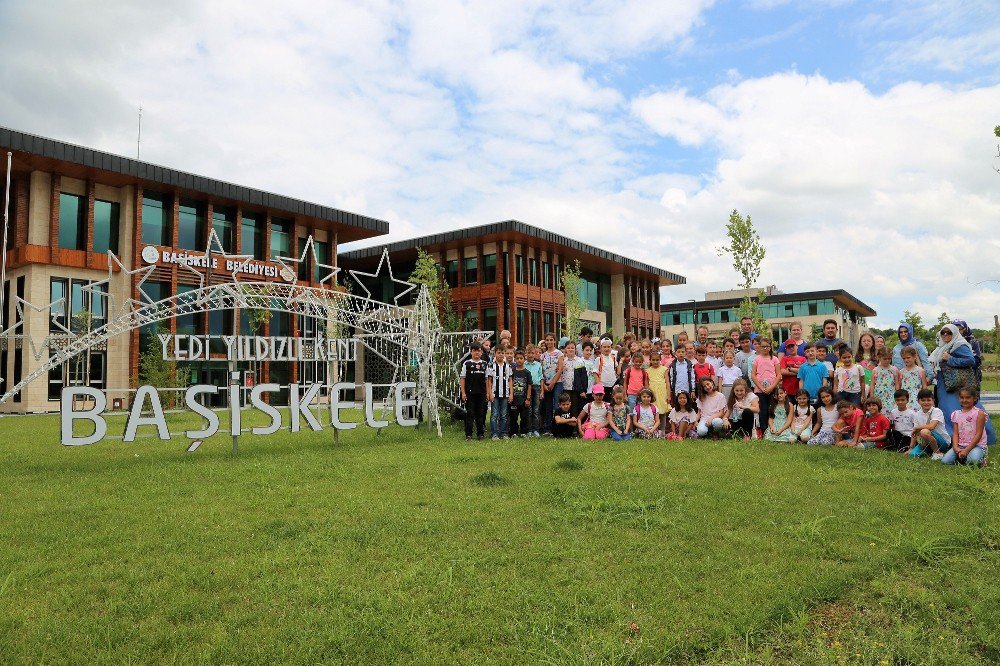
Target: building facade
{"points": [[507, 275], [70, 205], [718, 313]]}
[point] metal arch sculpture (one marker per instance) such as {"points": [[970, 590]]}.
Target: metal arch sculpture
{"points": [[412, 332]]}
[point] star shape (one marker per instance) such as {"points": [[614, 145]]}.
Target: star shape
{"points": [[310, 246], [384, 260], [143, 271]]}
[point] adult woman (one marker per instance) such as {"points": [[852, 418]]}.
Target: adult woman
{"points": [[954, 351], [907, 339], [795, 333], [977, 349]]}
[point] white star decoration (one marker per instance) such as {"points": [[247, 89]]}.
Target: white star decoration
{"points": [[310, 246], [130, 303], [384, 260]]}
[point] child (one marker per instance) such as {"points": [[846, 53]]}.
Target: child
{"points": [[658, 385], [885, 377], [802, 417], [645, 418], [604, 371], [574, 376], [634, 380], [866, 358], [766, 369], [729, 373], [498, 392], [595, 416], [552, 369], [621, 424], [847, 428], [901, 417], [744, 356], [826, 418], [472, 385], [714, 356], [929, 431], [743, 406], [790, 363], [564, 423], [645, 348], [520, 400], [812, 374], [703, 369], [683, 417], [824, 357], [968, 441], [728, 345], [849, 379], [874, 426], [666, 353], [590, 363], [534, 367], [681, 373], [713, 409], [912, 377], [779, 422]]}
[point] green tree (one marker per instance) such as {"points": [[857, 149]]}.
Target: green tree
{"points": [[154, 370], [572, 282], [942, 319], [748, 254], [428, 272]]}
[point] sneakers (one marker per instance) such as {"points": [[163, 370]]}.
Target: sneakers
{"points": [[479, 438], [468, 438], [535, 434], [495, 438], [937, 456], [505, 437]]}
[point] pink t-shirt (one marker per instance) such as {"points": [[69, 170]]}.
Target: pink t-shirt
{"points": [[636, 381], [966, 424], [711, 406], [766, 370]]}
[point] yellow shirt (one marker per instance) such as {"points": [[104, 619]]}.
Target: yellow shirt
{"points": [[658, 385]]}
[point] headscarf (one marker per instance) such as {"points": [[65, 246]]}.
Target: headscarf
{"points": [[909, 329], [963, 328], [956, 341]]}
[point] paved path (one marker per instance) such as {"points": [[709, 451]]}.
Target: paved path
{"points": [[991, 401]]}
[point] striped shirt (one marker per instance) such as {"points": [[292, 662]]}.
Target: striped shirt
{"points": [[501, 374]]}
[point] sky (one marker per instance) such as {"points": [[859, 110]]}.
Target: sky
{"points": [[857, 135]]}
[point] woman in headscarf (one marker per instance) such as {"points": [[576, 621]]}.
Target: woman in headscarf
{"points": [[977, 349], [954, 351], [907, 339]]}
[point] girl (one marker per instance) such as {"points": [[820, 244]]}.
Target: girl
{"points": [[764, 374], [743, 406], [595, 417], [713, 408], [573, 371], [666, 353], [635, 379], [621, 424], [885, 379], [802, 418], [780, 419], [968, 437], [865, 356], [729, 372], [552, 369], [657, 373], [645, 418], [826, 416], [683, 417], [912, 377], [604, 370], [849, 379]]}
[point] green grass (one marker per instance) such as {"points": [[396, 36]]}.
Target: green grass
{"points": [[405, 548]]}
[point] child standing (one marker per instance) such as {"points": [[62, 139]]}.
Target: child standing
{"points": [[590, 364], [901, 417], [779, 423], [573, 378], [912, 377], [604, 372], [968, 442], [681, 373], [714, 356], [594, 417], [635, 379], [645, 418], [885, 377], [713, 409], [929, 431], [823, 355], [766, 369], [621, 422], [743, 406], [744, 356], [552, 362], [729, 373], [472, 385], [498, 392], [564, 423], [790, 364], [874, 426], [657, 373], [802, 418], [849, 379], [534, 367], [703, 369], [812, 374], [666, 353], [826, 418], [520, 400]]}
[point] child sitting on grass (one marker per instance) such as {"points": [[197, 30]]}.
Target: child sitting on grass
{"points": [[645, 419], [826, 418], [968, 442], [564, 423], [901, 417], [779, 421], [713, 408], [802, 417], [621, 423], [874, 426], [594, 416], [847, 428], [683, 417], [743, 406], [929, 431]]}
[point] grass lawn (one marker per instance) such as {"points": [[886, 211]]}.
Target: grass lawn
{"points": [[404, 547]]}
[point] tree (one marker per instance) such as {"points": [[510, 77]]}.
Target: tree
{"points": [[748, 254], [258, 313], [428, 272], [572, 282], [942, 319], [154, 370]]}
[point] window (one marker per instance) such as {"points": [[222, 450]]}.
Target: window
{"points": [[220, 322], [280, 324], [533, 272], [451, 272], [222, 224], [518, 269], [547, 321], [6, 307], [155, 219], [813, 308], [556, 277], [303, 265], [471, 320], [490, 319], [489, 268], [252, 235], [281, 235], [522, 327], [506, 276], [72, 221], [536, 332], [190, 225], [470, 270], [57, 313], [147, 334], [724, 316], [322, 257], [188, 324], [546, 275], [105, 226], [3, 367]]}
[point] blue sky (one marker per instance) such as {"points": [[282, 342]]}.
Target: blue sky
{"points": [[857, 134]]}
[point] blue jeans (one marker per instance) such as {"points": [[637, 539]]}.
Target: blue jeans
{"points": [[620, 438], [533, 413], [975, 456], [632, 400], [550, 403], [498, 417]]}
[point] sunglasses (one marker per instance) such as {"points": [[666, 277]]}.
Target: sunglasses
{"points": [[946, 332]]}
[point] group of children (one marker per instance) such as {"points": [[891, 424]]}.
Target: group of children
{"points": [[818, 393]]}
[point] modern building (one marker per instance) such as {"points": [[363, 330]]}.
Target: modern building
{"points": [[70, 205], [507, 275], [718, 313]]}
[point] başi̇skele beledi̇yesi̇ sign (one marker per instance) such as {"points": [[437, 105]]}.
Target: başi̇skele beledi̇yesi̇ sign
{"points": [[147, 408]]}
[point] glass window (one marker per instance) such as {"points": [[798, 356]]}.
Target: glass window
{"points": [[156, 291], [6, 308], [281, 238], [155, 219], [280, 324], [303, 265], [547, 321], [57, 313], [451, 272], [98, 298], [252, 235], [220, 322], [519, 269], [322, 257], [471, 270], [490, 319], [72, 221], [55, 381], [522, 327], [506, 277], [222, 223], [188, 324], [489, 268], [556, 277], [546, 275], [533, 272], [191, 225], [536, 332], [105, 226]]}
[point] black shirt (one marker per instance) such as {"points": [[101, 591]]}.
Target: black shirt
{"points": [[521, 380], [474, 373], [564, 429]]}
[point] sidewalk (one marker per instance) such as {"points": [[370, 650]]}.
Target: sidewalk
{"points": [[991, 401]]}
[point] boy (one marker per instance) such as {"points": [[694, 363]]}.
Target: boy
{"points": [[520, 401], [714, 357], [498, 392], [586, 335], [590, 364], [744, 354], [702, 369], [790, 363], [680, 374], [564, 423], [728, 345], [847, 429], [874, 426], [902, 418], [824, 358], [929, 432], [472, 385], [534, 367]]}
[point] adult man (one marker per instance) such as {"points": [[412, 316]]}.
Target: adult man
{"points": [[746, 326], [586, 335], [830, 339], [702, 336], [795, 335]]}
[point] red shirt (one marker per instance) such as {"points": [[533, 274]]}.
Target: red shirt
{"points": [[792, 362], [875, 426], [852, 418], [703, 371]]}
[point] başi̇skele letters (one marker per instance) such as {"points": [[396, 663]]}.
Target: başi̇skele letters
{"points": [[300, 411]]}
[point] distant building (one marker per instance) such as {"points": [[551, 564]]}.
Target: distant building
{"points": [[506, 275], [718, 313]]}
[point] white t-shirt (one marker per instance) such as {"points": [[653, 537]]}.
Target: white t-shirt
{"points": [[729, 374], [903, 421], [715, 361], [921, 417], [828, 417], [605, 368]]}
